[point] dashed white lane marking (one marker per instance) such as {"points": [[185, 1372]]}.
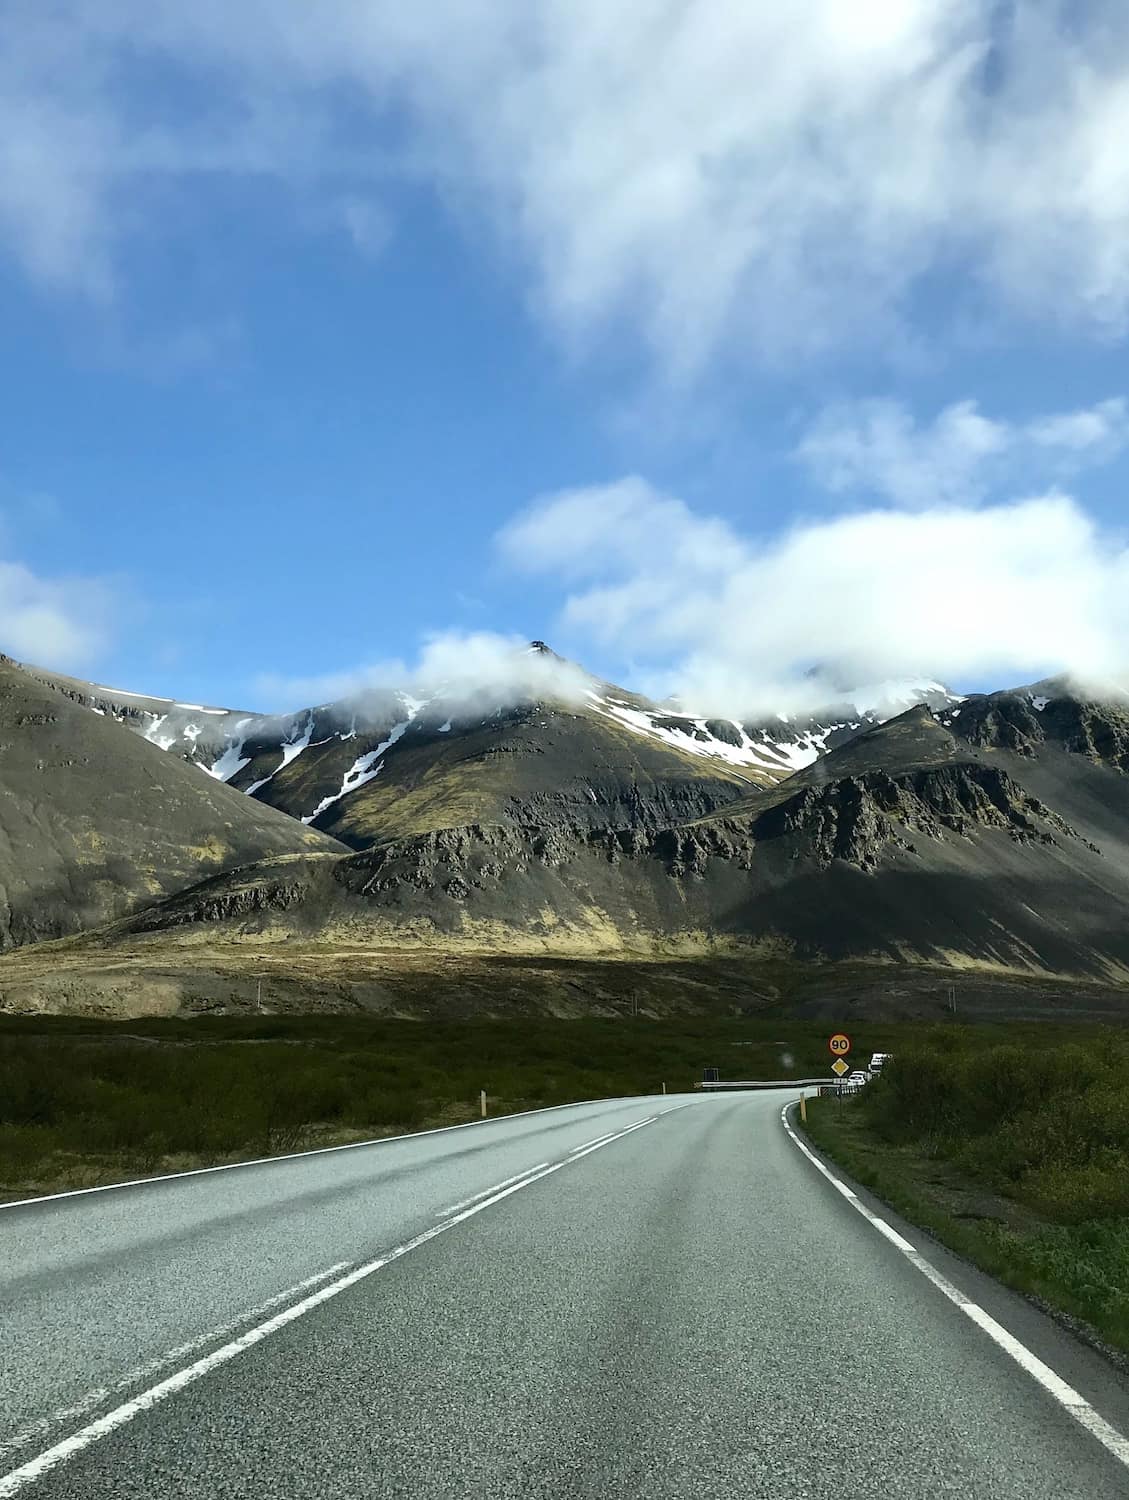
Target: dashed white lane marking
{"points": [[92, 1399], [1060, 1390], [27, 1473], [453, 1208]]}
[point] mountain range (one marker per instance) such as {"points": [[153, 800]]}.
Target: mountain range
{"points": [[157, 854]]}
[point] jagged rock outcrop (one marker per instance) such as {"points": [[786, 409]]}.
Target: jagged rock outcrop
{"points": [[1024, 720], [857, 818]]}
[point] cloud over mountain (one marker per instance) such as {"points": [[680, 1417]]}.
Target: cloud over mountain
{"points": [[733, 623]]}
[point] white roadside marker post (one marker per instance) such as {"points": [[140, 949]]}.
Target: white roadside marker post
{"points": [[482, 1102]]}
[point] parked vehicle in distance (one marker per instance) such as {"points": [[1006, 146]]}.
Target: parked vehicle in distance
{"points": [[879, 1060], [859, 1077]]}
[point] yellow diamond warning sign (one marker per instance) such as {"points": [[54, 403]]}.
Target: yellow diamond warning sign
{"points": [[839, 1067]]}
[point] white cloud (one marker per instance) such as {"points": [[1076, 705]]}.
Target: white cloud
{"points": [[771, 179], [877, 448], [1099, 432], [476, 670], [1006, 593], [63, 623]]}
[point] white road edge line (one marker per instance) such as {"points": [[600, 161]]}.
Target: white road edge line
{"points": [[453, 1208], [265, 1161], [43, 1425], [1067, 1397], [27, 1473]]}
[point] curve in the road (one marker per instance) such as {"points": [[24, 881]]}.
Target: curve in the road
{"points": [[690, 1313]]}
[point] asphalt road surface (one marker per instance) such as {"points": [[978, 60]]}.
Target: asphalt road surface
{"points": [[510, 1309]]}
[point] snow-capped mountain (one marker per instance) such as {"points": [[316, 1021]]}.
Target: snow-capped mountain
{"points": [[309, 762], [989, 830]]}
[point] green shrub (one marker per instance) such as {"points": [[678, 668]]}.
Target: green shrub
{"points": [[1074, 1194], [915, 1094], [24, 1149], [1049, 1125]]}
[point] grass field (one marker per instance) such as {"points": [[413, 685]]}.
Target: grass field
{"points": [[1014, 1153]]}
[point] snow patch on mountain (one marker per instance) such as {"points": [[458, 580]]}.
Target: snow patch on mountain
{"points": [[291, 749], [154, 735], [692, 734], [366, 767], [232, 761]]}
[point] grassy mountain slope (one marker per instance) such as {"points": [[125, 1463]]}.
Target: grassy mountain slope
{"points": [[542, 764], [95, 822]]}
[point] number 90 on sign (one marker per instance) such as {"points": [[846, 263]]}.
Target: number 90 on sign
{"points": [[840, 1044]]}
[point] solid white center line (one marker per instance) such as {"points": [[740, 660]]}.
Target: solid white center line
{"points": [[453, 1208], [595, 1145], [27, 1473], [594, 1142], [1067, 1397]]}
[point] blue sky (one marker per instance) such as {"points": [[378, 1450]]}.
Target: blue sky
{"points": [[324, 338]]}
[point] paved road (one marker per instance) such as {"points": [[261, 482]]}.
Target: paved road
{"points": [[688, 1309]]}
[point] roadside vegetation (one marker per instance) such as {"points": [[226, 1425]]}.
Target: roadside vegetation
{"points": [[87, 1101], [1015, 1154]]}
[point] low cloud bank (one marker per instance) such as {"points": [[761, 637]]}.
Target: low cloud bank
{"points": [[872, 606], [58, 622], [747, 627], [735, 625], [478, 671]]}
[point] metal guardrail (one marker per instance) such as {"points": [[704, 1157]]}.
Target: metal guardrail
{"points": [[763, 1083]]}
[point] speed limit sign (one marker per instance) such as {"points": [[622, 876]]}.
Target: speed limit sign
{"points": [[840, 1044]]}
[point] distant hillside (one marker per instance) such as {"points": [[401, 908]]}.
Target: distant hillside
{"points": [[94, 822], [909, 844]]}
